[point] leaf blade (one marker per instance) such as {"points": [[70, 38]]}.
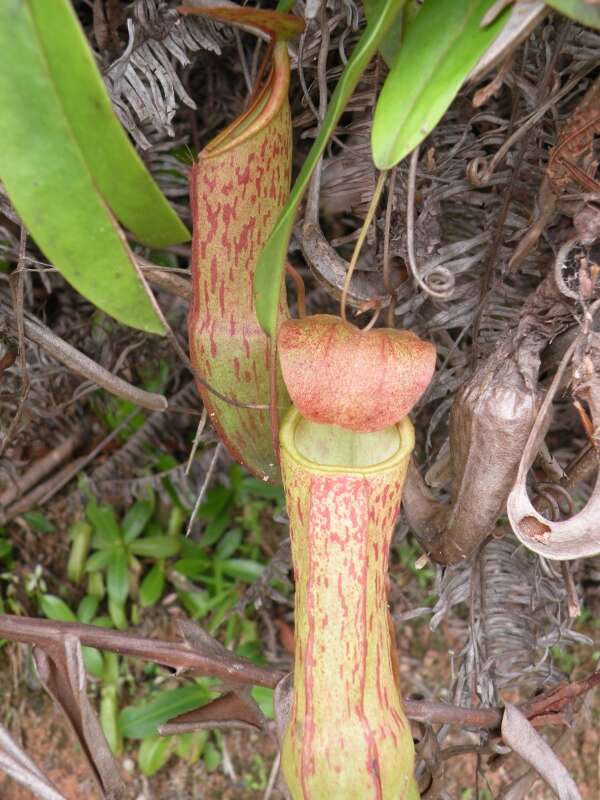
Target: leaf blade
{"points": [[137, 722], [118, 171], [51, 187], [578, 10], [440, 48]]}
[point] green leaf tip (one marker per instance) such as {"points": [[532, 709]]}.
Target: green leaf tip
{"points": [[441, 46], [586, 12], [67, 164]]}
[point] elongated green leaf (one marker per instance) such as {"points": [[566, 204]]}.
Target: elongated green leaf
{"points": [[93, 660], [154, 753], [56, 609], [49, 180], [438, 51], [104, 521], [584, 11], [136, 518], [118, 171], [392, 41], [99, 560], [156, 546], [117, 577], [81, 536], [109, 709], [136, 722], [269, 272], [242, 568], [38, 522], [152, 586], [87, 608]]}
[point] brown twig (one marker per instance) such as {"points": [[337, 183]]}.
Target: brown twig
{"points": [[42, 493], [83, 365], [42, 467], [177, 655], [182, 657], [17, 289]]}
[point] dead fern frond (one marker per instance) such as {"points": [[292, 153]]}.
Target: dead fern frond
{"points": [[143, 82]]}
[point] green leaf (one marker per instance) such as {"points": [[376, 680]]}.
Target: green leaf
{"points": [[197, 604], [219, 498], [101, 559], [269, 272], [93, 660], [87, 608], [104, 521], [5, 548], [392, 41], [264, 698], [211, 757], [136, 722], [156, 546], [111, 669], [228, 544], [117, 577], [95, 585], [56, 609], [81, 535], [38, 521], [191, 745], [57, 163], [242, 569], [102, 622], [118, 171], [253, 488], [136, 518], [192, 567], [152, 587], [109, 708], [439, 49], [215, 529], [117, 615], [154, 753], [582, 11]]}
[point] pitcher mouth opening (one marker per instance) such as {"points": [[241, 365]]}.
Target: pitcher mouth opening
{"points": [[330, 448]]}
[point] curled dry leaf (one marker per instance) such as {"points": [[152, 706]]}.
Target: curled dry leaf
{"points": [[17, 764], [520, 734], [579, 536], [362, 381], [62, 673], [235, 709], [524, 16], [490, 423], [571, 167]]}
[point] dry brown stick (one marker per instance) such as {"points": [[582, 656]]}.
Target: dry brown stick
{"points": [[17, 288], [42, 493], [83, 365], [42, 467], [166, 278], [177, 655], [182, 657]]}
